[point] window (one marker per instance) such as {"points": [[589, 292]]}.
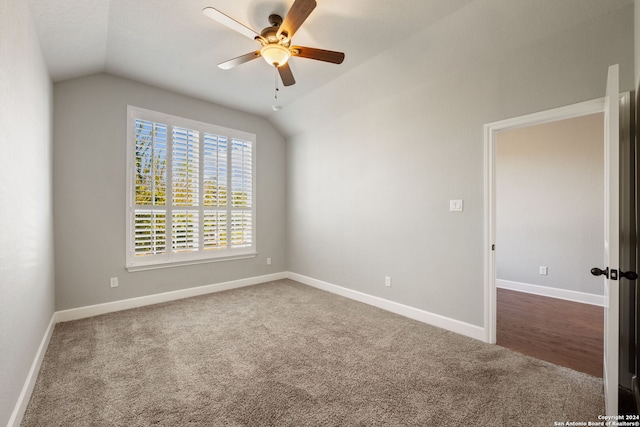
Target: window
{"points": [[190, 191]]}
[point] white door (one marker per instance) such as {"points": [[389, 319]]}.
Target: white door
{"points": [[611, 236]]}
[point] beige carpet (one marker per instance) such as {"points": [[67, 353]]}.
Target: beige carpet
{"points": [[284, 354]]}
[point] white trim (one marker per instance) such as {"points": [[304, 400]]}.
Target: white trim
{"points": [[490, 131], [30, 382], [545, 291], [443, 322], [489, 236], [110, 307], [162, 264], [548, 116]]}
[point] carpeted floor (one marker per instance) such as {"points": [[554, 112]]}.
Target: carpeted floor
{"points": [[284, 354]]}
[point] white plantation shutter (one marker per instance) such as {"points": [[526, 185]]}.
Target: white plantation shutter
{"points": [[149, 226], [150, 232], [215, 170], [184, 231], [191, 191], [241, 176], [185, 155], [151, 153], [242, 193], [241, 228], [215, 230]]}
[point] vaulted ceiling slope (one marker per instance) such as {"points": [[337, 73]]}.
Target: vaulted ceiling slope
{"points": [[461, 43], [172, 45]]}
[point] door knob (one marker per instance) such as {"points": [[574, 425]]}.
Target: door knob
{"points": [[598, 272], [629, 275]]}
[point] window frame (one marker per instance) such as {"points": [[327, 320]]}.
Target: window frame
{"points": [[172, 258]]}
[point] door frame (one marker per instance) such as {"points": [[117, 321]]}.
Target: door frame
{"points": [[490, 130]]}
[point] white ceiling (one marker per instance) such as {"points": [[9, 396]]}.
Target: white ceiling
{"points": [[171, 44]]}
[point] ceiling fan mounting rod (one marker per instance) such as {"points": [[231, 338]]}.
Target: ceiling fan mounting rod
{"points": [[275, 20]]}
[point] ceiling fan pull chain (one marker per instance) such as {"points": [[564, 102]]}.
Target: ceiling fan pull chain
{"points": [[276, 83]]}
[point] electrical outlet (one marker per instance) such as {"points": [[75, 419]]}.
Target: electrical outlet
{"points": [[268, 261], [544, 270], [387, 281], [113, 282]]}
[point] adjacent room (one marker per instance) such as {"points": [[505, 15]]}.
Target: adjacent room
{"points": [[192, 235], [549, 222]]}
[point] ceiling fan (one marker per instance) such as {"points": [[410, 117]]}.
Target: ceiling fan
{"points": [[275, 40]]}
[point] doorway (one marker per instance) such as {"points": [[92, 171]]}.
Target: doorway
{"points": [[620, 243], [549, 233], [491, 134]]}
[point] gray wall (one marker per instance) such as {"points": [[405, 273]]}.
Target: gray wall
{"points": [[549, 203], [26, 233], [89, 192], [376, 155]]}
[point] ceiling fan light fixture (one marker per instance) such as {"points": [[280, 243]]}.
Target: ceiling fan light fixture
{"points": [[275, 54]]}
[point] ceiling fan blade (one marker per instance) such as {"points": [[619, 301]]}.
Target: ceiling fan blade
{"points": [[227, 65], [220, 17], [318, 54], [286, 75], [298, 13]]}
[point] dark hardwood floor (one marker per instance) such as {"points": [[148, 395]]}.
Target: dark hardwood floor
{"points": [[562, 332]]}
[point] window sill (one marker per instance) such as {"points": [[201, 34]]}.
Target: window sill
{"points": [[154, 266]]}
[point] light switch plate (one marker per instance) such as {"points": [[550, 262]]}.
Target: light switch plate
{"points": [[455, 205]]}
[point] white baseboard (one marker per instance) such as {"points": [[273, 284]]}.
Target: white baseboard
{"points": [[97, 309], [443, 322], [94, 310], [109, 307], [581, 297], [25, 395], [453, 325]]}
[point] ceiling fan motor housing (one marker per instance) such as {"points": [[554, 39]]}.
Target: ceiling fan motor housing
{"points": [[270, 34]]}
